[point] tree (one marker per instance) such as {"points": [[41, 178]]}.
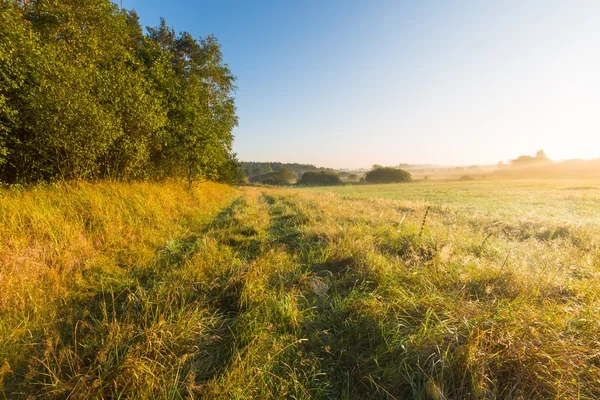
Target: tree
{"points": [[66, 121], [282, 177], [231, 171], [84, 94], [522, 160], [319, 178], [526, 160], [285, 175], [204, 113], [85, 110], [19, 53], [541, 155], [387, 175], [252, 169]]}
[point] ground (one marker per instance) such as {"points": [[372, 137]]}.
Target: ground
{"points": [[422, 290]]}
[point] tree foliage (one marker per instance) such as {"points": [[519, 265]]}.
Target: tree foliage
{"points": [[231, 171], [255, 169], [319, 178], [526, 160], [284, 176], [85, 94], [387, 175]]}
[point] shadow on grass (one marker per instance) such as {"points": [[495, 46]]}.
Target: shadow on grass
{"points": [[345, 346]]}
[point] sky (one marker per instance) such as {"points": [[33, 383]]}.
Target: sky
{"points": [[352, 83]]}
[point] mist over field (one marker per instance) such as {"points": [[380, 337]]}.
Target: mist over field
{"points": [[299, 200]]}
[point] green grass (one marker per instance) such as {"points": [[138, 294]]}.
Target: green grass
{"points": [[557, 201], [149, 291]]}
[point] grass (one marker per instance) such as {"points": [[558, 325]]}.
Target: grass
{"points": [[556, 201], [149, 291]]}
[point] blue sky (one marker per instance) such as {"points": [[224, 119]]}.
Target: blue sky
{"points": [[353, 83]]}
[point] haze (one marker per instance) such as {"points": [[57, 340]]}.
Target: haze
{"points": [[353, 83]]}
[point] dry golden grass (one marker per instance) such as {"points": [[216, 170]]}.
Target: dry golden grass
{"points": [[53, 234], [59, 241]]}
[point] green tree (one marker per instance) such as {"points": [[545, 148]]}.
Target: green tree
{"points": [[231, 171], [19, 59], [199, 99], [319, 178], [87, 112], [84, 94], [387, 175], [285, 176]]}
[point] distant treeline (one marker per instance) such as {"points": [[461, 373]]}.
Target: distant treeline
{"points": [[86, 94], [255, 169], [283, 175], [571, 169], [541, 167]]}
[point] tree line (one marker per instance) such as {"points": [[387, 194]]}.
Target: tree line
{"points": [[85, 93], [254, 169], [323, 177]]}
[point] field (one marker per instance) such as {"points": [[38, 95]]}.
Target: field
{"points": [[430, 290], [548, 201]]}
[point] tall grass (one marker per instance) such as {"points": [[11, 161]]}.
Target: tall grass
{"points": [[63, 248], [287, 294]]}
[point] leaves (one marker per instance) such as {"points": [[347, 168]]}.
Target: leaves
{"points": [[85, 95]]}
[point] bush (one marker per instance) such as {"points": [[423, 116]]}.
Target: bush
{"points": [[320, 178], [282, 177], [467, 178], [285, 176], [387, 175], [269, 181]]}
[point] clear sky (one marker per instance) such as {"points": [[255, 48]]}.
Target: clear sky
{"points": [[349, 83]]}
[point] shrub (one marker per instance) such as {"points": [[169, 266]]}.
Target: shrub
{"points": [[270, 181], [285, 176], [387, 175], [320, 178], [282, 177]]}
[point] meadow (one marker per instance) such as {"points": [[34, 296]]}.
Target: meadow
{"points": [[568, 201], [427, 290]]}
